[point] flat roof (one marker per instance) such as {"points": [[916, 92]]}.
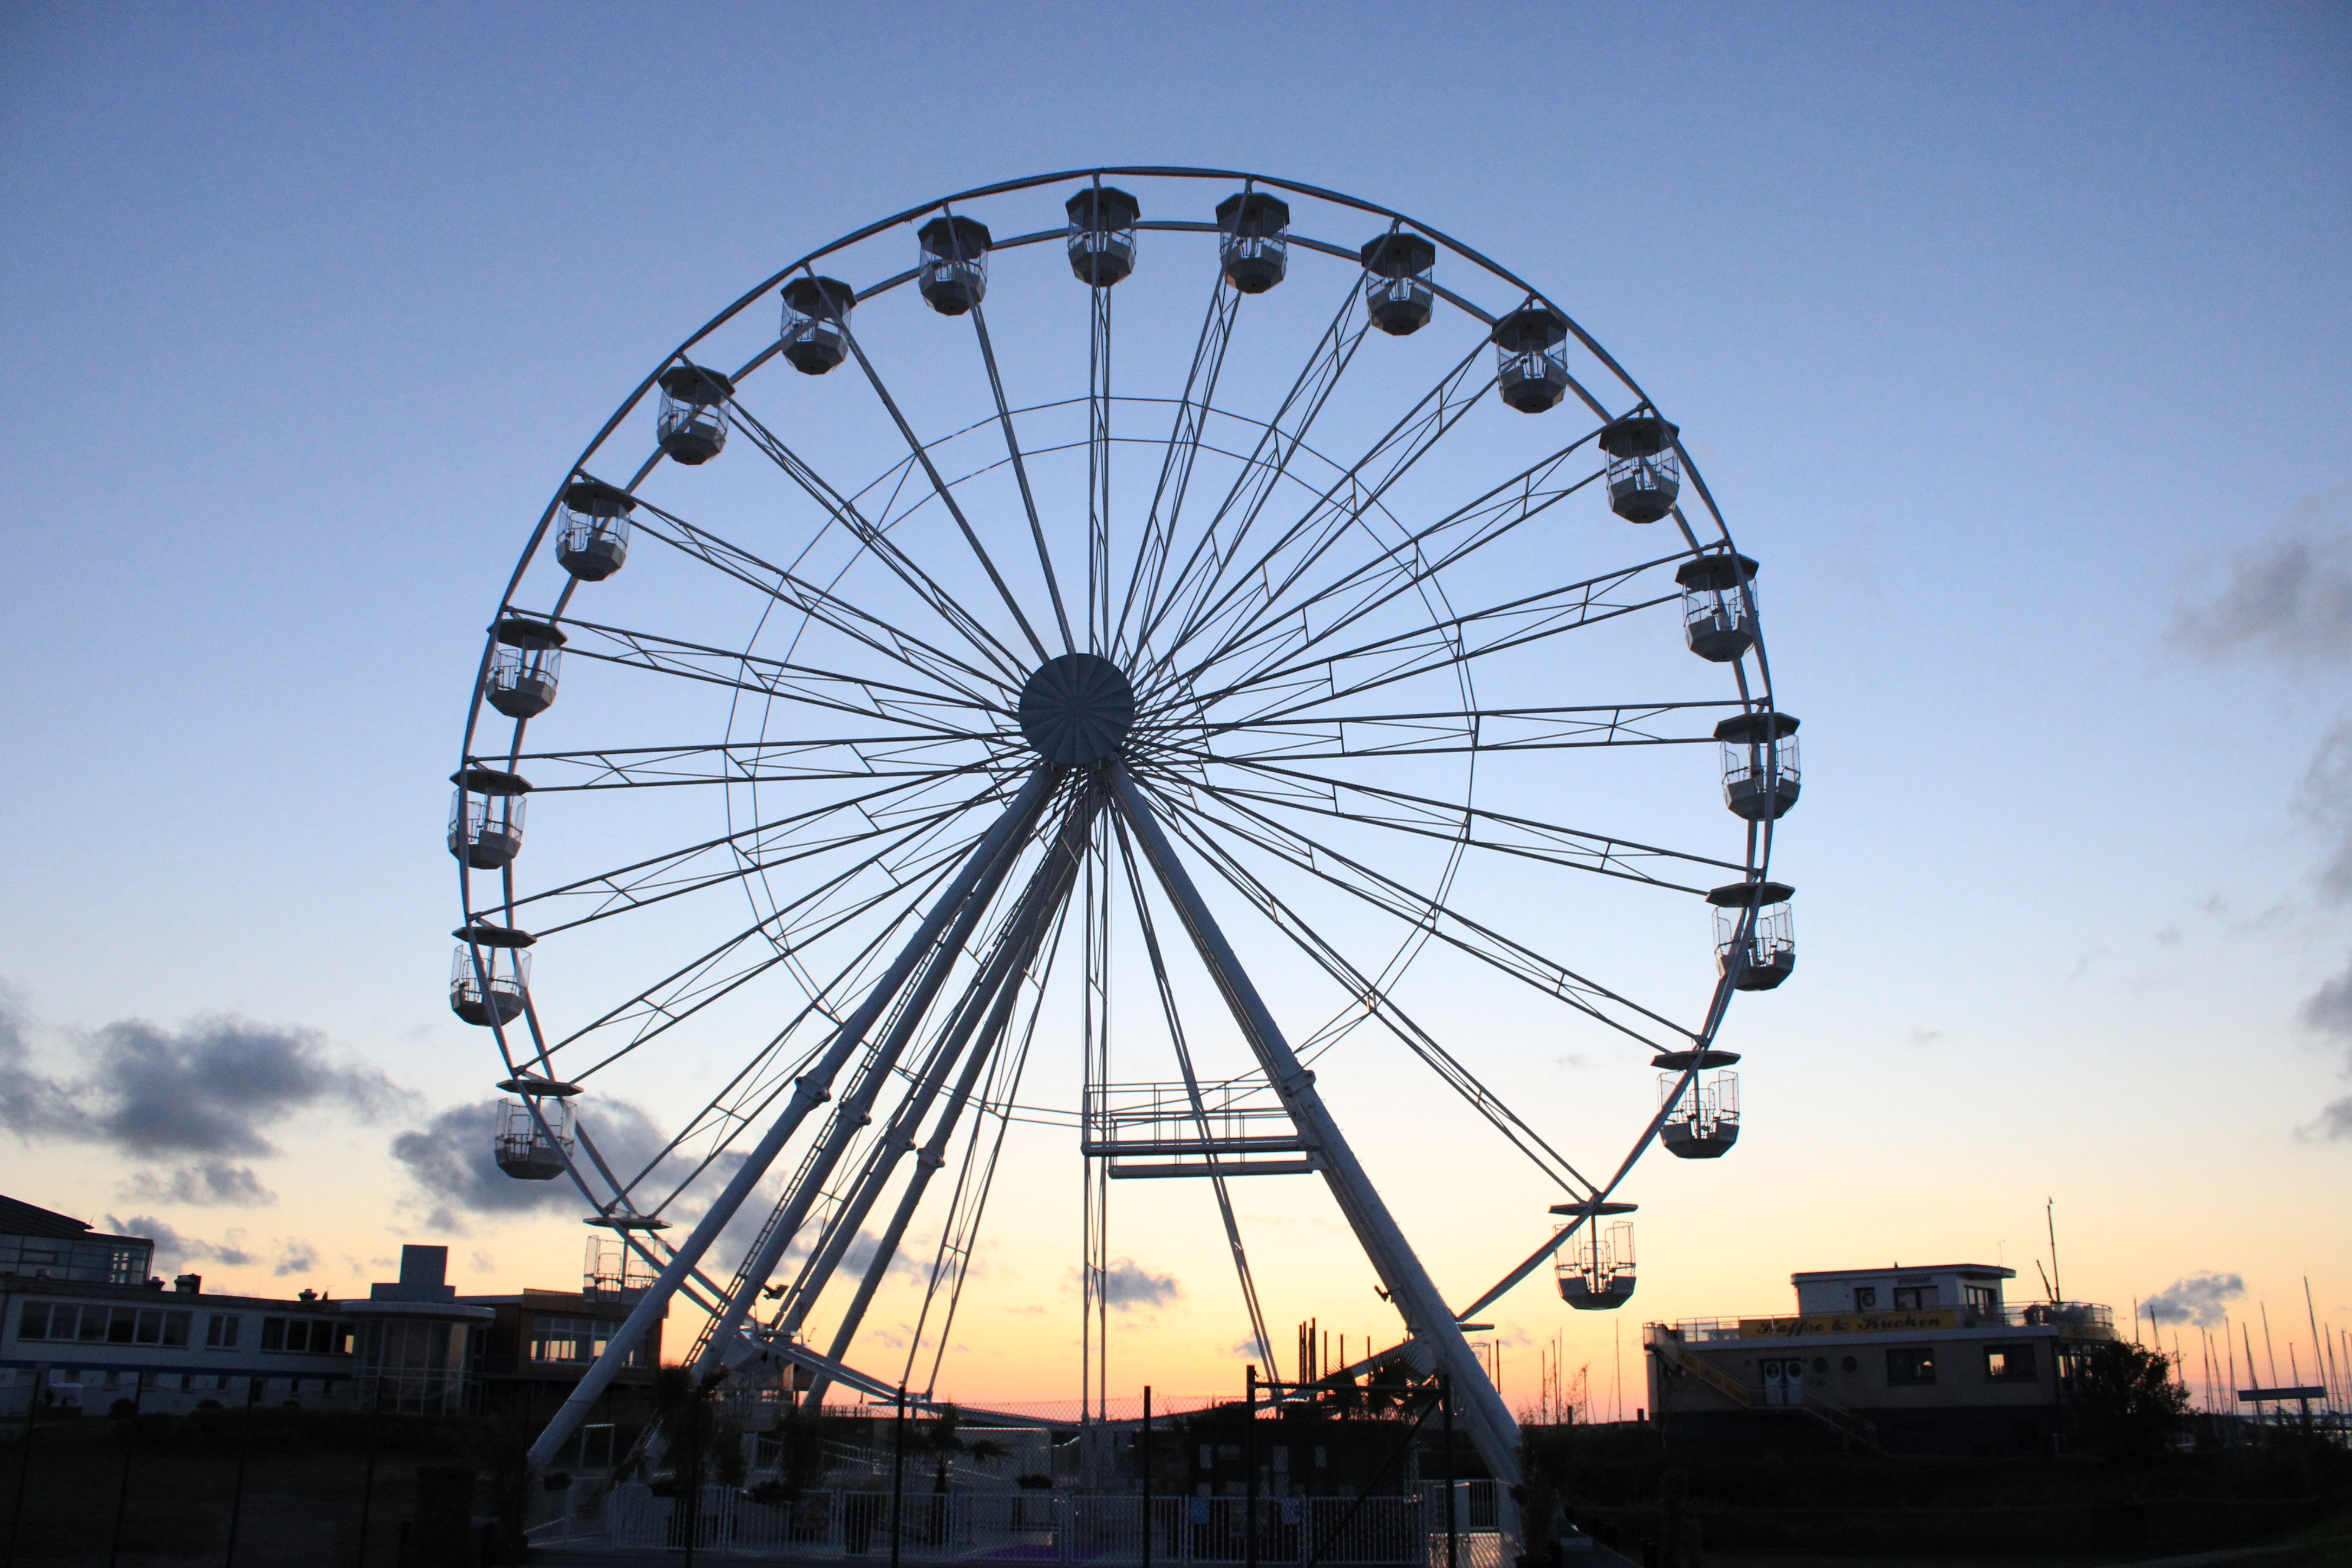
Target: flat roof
{"points": [[18, 1217], [1993, 1269]]}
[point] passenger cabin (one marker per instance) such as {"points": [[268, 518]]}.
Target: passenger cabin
{"points": [[1703, 1115], [952, 273], [591, 536], [488, 976], [1255, 249], [692, 425], [486, 817], [524, 669], [1530, 373], [1718, 605], [1397, 282], [814, 336], [1595, 1269], [1102, 235], [532, 1139], [1645, 475], [1761, 775], [1753, 943]]}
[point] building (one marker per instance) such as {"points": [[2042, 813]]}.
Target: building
{"points": [[1921, 1360], [83, 1326]]}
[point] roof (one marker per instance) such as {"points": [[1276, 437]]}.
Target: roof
{"points": [[19, 1218], [1994, 1270]]}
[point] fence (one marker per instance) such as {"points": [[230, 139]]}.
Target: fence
{"points": [[1041, 1527]]}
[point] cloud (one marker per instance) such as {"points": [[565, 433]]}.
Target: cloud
{"points": [[2335, 1121], [212, 1088], [295, 1258], [206, 1185], [2200, 1299], [2325, 799], [2288, 598], [1126, 1285], [2328, 1010], [172, 1248]]}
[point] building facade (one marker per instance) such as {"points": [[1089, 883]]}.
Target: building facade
{"points": [[1922, 1360]]}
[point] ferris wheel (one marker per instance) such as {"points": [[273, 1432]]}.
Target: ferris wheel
{"points": [[947, 713]]}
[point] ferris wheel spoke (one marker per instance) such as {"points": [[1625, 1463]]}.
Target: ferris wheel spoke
{"points": [[824, 606], [1278, 442], [1451, 641], [1183, 448], [916, 708], [844, 512], [1419, 911], [1020, 476], [1289, 735], [765, 846], [1098, 451], [1373, 1000], [1570, 848], [1253, 592], [946, 493], [844, 759], [1385, 578]]}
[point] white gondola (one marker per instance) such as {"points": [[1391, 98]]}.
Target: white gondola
{"points": [[1102, 235], [591, 536], [1760, 955], [1704, 1122], [1595, 1268], [1255, 250], [1718, 605], [1761, 774], [692, 426], [1530, 373], [1645, 475], [953, 272], [523, 674], [1397, 282], [486, 817], [524, 1148], [490, 975], [815, 333]]}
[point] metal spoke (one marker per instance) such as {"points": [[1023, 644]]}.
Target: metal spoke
{"points": [[1098, 405], [1543, 974], [845, 759], [1286, 733], [1021, 474], [947, 495], [844, 512], [1182, 448]]}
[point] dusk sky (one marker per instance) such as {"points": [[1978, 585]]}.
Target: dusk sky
{"points": [[2016, 342]]}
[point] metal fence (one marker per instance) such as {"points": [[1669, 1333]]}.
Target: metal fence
{"points": [[1039, 1527]]}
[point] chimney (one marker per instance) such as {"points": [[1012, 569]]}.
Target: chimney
{"points": [[188, 1284]]}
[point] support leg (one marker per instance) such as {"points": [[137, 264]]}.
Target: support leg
{"points": [[1432, 1325], [812, 1088]]}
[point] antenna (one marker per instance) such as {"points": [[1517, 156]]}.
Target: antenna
{"points": [[2045, 1281], [2050, 1216]]}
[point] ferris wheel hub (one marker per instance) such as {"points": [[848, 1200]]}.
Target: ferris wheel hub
{"points": [[1076, 709]]}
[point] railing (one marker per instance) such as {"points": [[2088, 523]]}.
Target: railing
{"points": [[2082, 1316], [1039, 1527]]}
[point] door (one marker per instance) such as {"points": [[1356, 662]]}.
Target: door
{"points": [[1775, 1383], [1792, 1381]]}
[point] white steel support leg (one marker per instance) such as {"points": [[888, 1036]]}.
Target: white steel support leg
{"points": [[1409, 1286], [813, 1090], [933, 1154], [1015, 950], [854, 1112]]}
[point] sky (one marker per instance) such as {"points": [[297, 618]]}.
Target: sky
{"points": [[2014, 341]]}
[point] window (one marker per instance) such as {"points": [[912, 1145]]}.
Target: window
{"points": [[1865, 1298], [310, 1336], [1912, 1368], [220, 1333], [32, 1322], [1912, 1297], [574, 1341], [1977, 1298], [2009, 1364]]}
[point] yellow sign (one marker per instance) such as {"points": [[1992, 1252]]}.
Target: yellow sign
{"points": [[1910, 1322]]}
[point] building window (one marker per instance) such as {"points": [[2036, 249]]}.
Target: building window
{"points": [[2009, 1364], [220, 1333], [574, 1341], [1977, 1298], [1865, 1298], [1912, 1297], [309, 1336], [1912, 1368]]}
